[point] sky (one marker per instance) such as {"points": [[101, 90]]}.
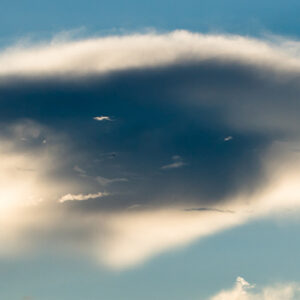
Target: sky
{"points": [[149, 150]]}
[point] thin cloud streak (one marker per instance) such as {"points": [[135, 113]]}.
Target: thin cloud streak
{"points": [[81, 197], [107, 181], [178, 163], [102, 118]]}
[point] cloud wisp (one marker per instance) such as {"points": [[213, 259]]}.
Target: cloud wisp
{"points": [[177, 163], [102, 118], [106, 181], [80, 197]]}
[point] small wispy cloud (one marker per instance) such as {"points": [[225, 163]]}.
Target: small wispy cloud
{"points": [[102, 118], [80, 197], [107, 181], [80, 171], [177, 163], [228, 138]]}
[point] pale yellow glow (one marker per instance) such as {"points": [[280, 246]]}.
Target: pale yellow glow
{"points": [[29, 203], [26, 189], [124, 239]]}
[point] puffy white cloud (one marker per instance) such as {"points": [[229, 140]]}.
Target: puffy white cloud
{"points": [[245, 291]]}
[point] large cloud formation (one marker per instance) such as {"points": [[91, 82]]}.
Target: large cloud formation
{"points": [[202, 136]]}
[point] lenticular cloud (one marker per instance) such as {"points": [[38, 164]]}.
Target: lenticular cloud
{"points": [[205, 137]]}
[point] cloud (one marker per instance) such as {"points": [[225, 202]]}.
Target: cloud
{"points": [[179, 92], [138, 235], [24, 179], [239, 292], [178, 162], [141, 51], [228, 138], [102, 118], [80, 171], [173, 165], [80, 197], [245, 291], [125, 238], [209, 209], [106, 181]]}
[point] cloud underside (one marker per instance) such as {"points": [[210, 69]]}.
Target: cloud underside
{"points": [[203, 125]]}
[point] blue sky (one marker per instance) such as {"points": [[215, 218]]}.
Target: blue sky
{"points": [[43, 18], [149, 150], [255, 251]]}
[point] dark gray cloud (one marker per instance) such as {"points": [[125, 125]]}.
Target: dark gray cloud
{"points": [[186, 109]]}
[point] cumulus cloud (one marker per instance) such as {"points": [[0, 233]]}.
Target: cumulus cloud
{"points": [[245, 291]]}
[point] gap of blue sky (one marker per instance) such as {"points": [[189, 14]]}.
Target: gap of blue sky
{"points": [[40, 19]]}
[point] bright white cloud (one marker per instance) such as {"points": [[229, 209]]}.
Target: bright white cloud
{"points": [[245, 291], [102, 118], [138, 235], [99, 55]]}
